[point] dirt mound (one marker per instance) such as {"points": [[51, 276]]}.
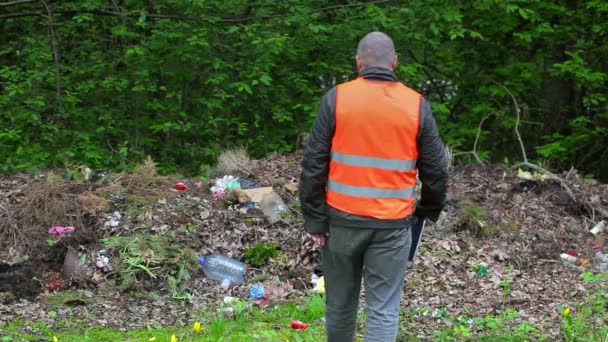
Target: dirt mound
{"points": [[152, 233]]}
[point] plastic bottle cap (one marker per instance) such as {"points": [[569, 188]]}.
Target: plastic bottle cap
{"points": [[201, 260]]}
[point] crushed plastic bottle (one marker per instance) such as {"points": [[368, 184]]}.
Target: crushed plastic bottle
{"points": [[272, 206], [598, 228], [602, 261], [601, 257], [223, 269]]}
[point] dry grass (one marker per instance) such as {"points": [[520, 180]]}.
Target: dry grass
{"points": [[10, 234], [234, 161], [57, 204], [143, 182], [92, 203]]}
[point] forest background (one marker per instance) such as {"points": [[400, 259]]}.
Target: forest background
{"points": [[105, 83]]}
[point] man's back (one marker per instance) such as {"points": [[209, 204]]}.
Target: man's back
{"points": [[371, 139]]}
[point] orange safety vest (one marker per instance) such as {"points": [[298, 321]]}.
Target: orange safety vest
{"points": [[372, 171]]}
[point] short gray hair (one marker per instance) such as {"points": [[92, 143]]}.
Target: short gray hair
{"points": [[376, 49]]}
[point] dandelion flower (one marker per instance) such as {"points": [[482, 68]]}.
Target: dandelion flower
{"points": [[55, 339], [566, 312], [173, 338], [197, 327]]}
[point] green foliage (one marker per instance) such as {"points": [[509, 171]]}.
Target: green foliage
{"points": [[181, 80], [151, 257], [259, 254]]}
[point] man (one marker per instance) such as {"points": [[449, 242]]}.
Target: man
{"points": [[370, 140]]}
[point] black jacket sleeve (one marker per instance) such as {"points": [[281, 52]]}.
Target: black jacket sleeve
{"points": [[315, 167], [432, 166]]}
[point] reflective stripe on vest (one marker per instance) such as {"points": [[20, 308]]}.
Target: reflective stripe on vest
{"points": [[372, 169], [363, 191], [381, 163]]}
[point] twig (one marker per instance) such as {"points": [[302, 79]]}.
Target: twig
{"points": [[15, 2], [471, 190], [517, 112], [474, 151], [53, 33]]}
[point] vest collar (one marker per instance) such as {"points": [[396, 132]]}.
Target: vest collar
{"points": [[378, 74]]}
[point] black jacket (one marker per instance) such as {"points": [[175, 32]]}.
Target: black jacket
{"points": [[431, 164]]}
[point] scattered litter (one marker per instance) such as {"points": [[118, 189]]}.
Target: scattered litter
{"points": [[219, 194], [319, 286], [248, 183], [180, 186], [113, 219], [99, 177], [568, 258], [200, 184], [295, 324], [59, 231], [225, 183], [440, 313], [314, 278], [257, 194], [103, 259], [600, 227], [229, 300], [240, 195], [291, 187], [257, 292], [74, 264], [221, 268], [228, 311], [527, 175], [601, 257], [272, 206]]}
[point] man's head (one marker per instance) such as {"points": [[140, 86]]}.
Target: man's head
{"points": [[376, 49]]}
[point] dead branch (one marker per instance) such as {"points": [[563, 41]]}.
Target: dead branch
{"points": [[564, 183], [15, 2], [523, 149], [54, 45], [517, 112], [474, 151]]}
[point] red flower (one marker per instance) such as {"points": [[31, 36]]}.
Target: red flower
{"points": [[572, 253]]}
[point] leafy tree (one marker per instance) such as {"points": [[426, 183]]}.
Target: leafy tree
{"points": [[106, 83]]}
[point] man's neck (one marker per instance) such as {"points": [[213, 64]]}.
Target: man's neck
{"points": [[378, 74]]}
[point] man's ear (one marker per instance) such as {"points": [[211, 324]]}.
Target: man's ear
{"points": [[358, 63], [394, 64]]}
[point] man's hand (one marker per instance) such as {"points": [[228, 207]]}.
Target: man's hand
{"points": [[319, 238]]}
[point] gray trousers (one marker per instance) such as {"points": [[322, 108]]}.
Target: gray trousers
{"points": [[380, 257]]}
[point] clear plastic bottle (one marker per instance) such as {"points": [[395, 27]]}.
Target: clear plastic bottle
{"points": [[272, 206], [224, 269]]}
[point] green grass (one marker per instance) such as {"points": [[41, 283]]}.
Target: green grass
{"points": [[588, 321], [273, 324]]}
